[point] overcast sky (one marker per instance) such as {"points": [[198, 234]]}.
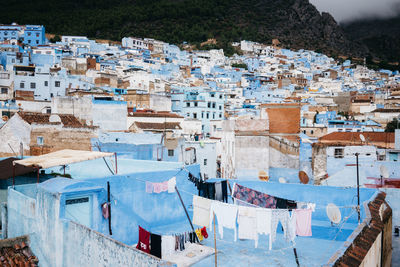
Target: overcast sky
{"points": [[346, 10]]}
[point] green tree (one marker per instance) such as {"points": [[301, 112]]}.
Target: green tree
{"points": [[391, 126]]}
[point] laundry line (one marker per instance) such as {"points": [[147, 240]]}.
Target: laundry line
{"points": [[180, 190]]}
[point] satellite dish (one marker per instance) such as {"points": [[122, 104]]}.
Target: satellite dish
{"points": [[362, 137], [333, 213], [303, 177], [282, 180], [384, 171]]}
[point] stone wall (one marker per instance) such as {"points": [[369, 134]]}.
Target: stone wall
{"points": [[57, 139], [318, 163]]}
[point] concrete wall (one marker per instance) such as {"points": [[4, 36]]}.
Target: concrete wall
{"points": [[283, 153], [160, 102], [80, 107], [14, 132], [110, 115], [95, 249], [252, 155]]}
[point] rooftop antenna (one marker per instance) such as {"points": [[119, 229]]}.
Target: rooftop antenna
{"points": [[333, 213]]}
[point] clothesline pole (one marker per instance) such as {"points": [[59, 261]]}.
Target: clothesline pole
{"points": [[187, 214], [109, 207], [295, 255], [215, 242]]}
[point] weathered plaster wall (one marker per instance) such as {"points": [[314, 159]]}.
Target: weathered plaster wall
{"points": [[12, 134], [251, 155], [283, 154]]}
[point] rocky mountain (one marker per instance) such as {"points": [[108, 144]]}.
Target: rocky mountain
{"points": [[296, 23], [380, 36]]}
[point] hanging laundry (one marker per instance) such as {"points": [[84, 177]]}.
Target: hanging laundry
{"points": [[224, 186], [199, 235], [171, 185], [218, 191], [303, 222], [282, 203], [149, 187], [263, 221], [306, 205], [211, 191], [284, 218], [181, 242], [167, 245], [204, 232], [105, 211], [254, 197], [157, 187], [144, 240], [201, 211], [203, 189], [247, 223], [164, 186], [226, 215], [155, 245]]}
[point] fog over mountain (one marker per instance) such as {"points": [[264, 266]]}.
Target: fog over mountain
{"points": [[350, 10]]}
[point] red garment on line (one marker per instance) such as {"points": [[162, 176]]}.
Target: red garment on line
{"points": [[144, 240]]}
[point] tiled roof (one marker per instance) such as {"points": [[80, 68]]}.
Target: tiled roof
{"points": [[354, 137], [158, 126], [154, 114], [16, 252], [43, 118], [355, 253], [387, 110]]}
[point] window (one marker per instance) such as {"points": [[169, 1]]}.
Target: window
{"points": [[220, 115], [37, 41], [195, 115], [22, 85], [339, 152], [220, 107], [57, 83], [208, 115], [213, 105], [40, 140], [213, 115], [4, 90], [304, 131], [46, 83], [37, 35], [312, 131], [29, 41], [209, 104], [202, 115], [29, 34], [170, 152], [195, 104], [205, 162], [33, 85], [187, 104], [220, 96]]}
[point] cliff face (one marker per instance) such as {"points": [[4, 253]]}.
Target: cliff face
{"points": [[380, 36], [296, 23]]}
